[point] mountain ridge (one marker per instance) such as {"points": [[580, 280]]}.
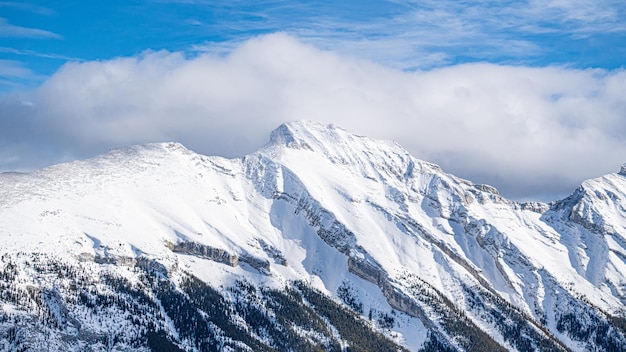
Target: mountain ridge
{"points": [[428, 257]]}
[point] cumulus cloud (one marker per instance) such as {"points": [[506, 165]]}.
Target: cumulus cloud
{"points": [[532, 132]]}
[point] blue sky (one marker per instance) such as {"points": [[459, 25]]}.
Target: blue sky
{"points": [[525, 95], [39, 36]]}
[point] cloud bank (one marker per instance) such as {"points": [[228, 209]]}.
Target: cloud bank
{"points": [[535, 133]]}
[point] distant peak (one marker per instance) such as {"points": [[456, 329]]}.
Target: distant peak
{"points": [[282, 135], [305, 134], [285, 136], [623, 170], [374, 159], [289, 129], [174, 146], [311, 125]]}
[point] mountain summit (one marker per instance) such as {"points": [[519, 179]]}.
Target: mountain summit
{"points": [[320, 240]]}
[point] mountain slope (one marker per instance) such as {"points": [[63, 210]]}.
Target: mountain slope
{"points": [[205, 253]]}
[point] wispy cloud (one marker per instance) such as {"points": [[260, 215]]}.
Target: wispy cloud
{"points": [[40, 10], [518, 17], [14, 75], [9, 50], [14, 69], [416, 34], [8, 30], [577, 17]]}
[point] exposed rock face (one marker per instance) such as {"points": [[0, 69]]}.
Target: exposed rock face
{"points": [[536, 207], [204, 251], [488, 189], [148, 264], [219, 255], [262, 265], [367, 270], [400, 301], [273, 252], [623, 170], [151, 265], [373, 273]]}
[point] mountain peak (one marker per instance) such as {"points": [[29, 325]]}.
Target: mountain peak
{"points": [[285, 135], [329, 140], [308, 134], [367, 156], [623, 170]]}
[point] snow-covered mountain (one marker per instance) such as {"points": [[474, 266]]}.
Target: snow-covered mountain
{"points": [[320, 240]]}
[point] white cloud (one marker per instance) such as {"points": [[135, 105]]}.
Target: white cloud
{"points": [[11, 31], [421, 34], [532, 132], [33, 53], [27, 7], [14, 69], [412, 34]]}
